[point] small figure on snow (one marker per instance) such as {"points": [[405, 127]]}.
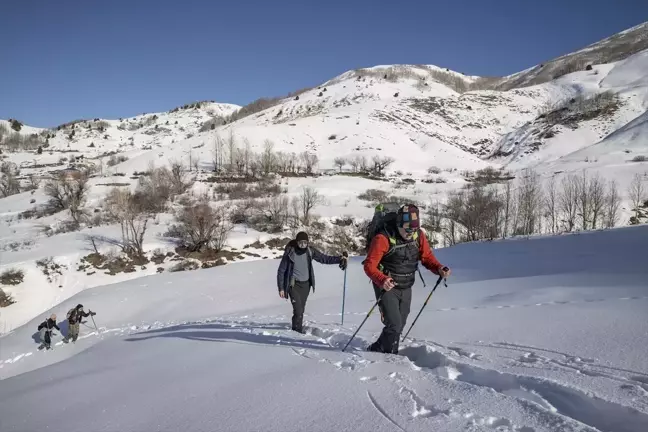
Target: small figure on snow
{"points": [[295, 275], [74, 317], [391, 264], [45, 330]]}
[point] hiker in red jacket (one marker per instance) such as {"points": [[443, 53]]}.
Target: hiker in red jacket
{"points": [[391, 264]]}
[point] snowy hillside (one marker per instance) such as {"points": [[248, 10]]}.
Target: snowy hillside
{"points": [[546, 334], [418, 133]]}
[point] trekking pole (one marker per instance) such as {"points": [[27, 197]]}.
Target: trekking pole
{"points": [[363, 321], [343, 296], [95, 324], [425, 304]]}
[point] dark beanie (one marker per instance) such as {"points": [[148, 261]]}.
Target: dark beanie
{"points": [[301, 236]]}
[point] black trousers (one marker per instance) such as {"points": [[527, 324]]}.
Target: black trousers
{"points": [[298, 296], [394, 310]]}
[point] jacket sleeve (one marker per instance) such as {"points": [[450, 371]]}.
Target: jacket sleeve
{"points": [[378, 248], [428, 259], [323, 258], [281, 271], [56, 327]]}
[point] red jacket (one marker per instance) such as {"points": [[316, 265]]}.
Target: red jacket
{"points": [[379, 247]]}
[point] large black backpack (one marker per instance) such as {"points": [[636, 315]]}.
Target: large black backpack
{"points": [[384, 214]]}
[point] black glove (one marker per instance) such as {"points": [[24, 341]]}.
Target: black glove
{"points": [[93, 313], [343, 261]]}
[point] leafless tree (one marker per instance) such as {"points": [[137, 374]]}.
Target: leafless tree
{"points": [[307, 201], [292, 162], [68, 193], [529, 203], [380, 164], [551, 205], [126, 208], [584, 200], [9, 183], [478, 210], [196, 164], [217, 153], [612, 205], [231, 150], [283, 161], [363, 163], [247, 155], [597, 199], [203, 226], [268, 158], [568, 202], [508, 207], [340, 162], [637, 195], [355, 163], [310, 161], [179, 181]]}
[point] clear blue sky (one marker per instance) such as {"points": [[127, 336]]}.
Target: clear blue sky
{"points": [[68, 59]]}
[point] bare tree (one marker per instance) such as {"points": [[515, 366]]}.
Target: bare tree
{"points": [[310, 161], [274, 213], [292, 162], [283, 161], [529, 203], [231, 150], [247, 156], [126, 208], [268, 158], [568, 202], [217, 153], [203, 226], [508, 207], [551, 205], [478, 210], [584, 200], [380, 164], [68, 193], [307, 201], [597, 199], [340, 162], [637, 194], [196, 164], [9, 183], [612, 205], [179, 181], [355, 163]]}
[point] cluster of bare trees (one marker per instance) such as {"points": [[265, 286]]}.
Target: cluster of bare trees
{"points": [[360, 163], [275, 213], [200, 225], [576, 202], [229, 156], [133, 211]]}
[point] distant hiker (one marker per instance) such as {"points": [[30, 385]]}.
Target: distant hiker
{"points": [[45, 331], [74, 317], [391, 264], [295, 275]]}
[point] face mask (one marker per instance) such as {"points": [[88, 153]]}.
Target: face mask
{"points": [[303, 244]]}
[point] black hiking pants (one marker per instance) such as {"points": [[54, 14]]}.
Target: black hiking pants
{"points": [[298, 296], [394, 309]]}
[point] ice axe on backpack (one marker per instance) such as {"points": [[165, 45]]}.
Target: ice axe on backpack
{"points": [[426, 301]]}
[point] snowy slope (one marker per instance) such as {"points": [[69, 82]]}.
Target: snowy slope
{"points": [[530, 335], [419, 115]]}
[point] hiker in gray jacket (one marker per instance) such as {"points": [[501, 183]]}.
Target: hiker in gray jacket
{"points": [[295, 275]]}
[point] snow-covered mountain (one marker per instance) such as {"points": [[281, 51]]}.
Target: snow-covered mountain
{"points": [[582, 111]]}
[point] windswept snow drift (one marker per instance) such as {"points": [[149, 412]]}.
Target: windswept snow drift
{"points": [[537, 335]]}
